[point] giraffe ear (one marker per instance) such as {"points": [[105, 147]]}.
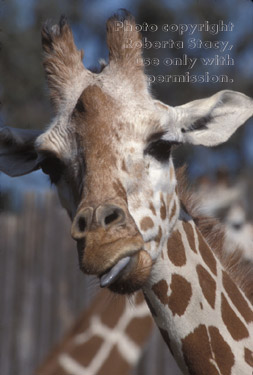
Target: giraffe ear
{"points": [[17, 152], [212, 121]]}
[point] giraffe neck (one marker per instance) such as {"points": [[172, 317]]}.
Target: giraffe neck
{"points": [[205, 319], [107, 339]]}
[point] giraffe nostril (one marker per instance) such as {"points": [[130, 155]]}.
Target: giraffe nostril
{"points": [[111, 217], [82, 224]]}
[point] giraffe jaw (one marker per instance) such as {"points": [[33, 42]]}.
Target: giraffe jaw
{"points": [[129, 274]]}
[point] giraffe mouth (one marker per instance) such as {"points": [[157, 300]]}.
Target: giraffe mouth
{"points": [[128, 274], [121, 265], [109, 277]]}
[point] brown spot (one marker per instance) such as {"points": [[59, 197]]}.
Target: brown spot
{"points": [[139, 298], [248, 355], [176, 251], [207, 284], [115, 364], [151, 206], [180, 296], [123, 166], [161, 291], [190, 235], [110, 319], [234, 325], [166, 338], [86, 352], [173, 211], [120, 191], [237, 298], [139, 328], [201, 306], [207, 254], [222, 352], [159, 236], [198, 353], [150, 306], [163, 212], [147, 223]]}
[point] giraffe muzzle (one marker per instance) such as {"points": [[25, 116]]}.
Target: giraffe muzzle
{"points": [[111, 246], [109, 277], [128, 274], [105, 216]]}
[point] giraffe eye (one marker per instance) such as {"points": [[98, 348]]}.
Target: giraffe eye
{"points": [[53, 167], [159, 149]]}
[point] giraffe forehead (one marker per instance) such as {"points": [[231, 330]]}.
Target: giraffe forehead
{"points": [[103, 110], [108, 105]]}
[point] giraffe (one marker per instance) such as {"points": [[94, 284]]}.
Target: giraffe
{"points": [[72, 355], [108, 150], [228, 202], [239, 231], [106, 339]]}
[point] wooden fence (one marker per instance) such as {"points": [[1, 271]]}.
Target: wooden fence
{"points": [[42, 290]]}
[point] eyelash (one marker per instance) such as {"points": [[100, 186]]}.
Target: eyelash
{"points": [[53, 167]]}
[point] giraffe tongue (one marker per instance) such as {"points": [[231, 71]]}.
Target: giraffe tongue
{"points": [[109, 277]]}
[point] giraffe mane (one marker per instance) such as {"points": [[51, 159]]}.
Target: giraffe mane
{"points": [[239, 269]]}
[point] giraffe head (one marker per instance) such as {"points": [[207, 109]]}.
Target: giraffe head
{"points": [[108, 150]]}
